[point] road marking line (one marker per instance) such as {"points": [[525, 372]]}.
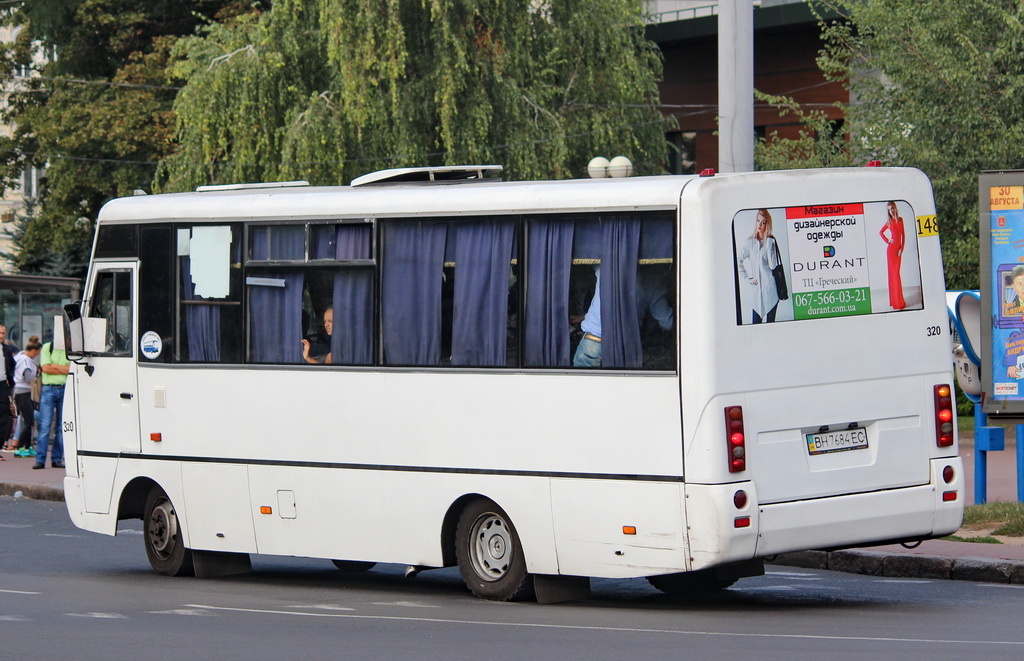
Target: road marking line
{"points": [[101, 616], [404, 604], [574, 627], [19, 592], [183, 611]]}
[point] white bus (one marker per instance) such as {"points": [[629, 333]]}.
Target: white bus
{"points": [[392, 372]]}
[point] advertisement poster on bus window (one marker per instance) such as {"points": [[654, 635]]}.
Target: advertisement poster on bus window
{"points": [[1006, 243], [826, 260]]}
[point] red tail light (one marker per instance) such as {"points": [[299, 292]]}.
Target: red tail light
{"points": [[735, 440], [944, 418]]}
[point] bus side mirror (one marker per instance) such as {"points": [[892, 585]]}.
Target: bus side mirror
{"points": [[82, 336], [67, 330]]}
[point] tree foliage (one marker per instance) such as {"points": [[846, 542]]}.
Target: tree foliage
{"points": [[935, 85], [325, 90], [98, 113], [819, 144]]}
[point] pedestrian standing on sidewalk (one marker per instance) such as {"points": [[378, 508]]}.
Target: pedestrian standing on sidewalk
{"points": [[24, 374], [54, 364], [6, 387]]}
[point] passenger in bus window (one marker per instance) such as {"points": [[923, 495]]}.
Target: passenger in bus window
{"points": [[321, 351], [651, 301], [758, 257]]}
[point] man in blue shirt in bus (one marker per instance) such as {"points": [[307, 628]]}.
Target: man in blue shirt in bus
{"points": [[651, 299], [54, 364]]}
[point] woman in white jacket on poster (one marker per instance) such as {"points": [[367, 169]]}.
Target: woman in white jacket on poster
{"points": [[760, 255]]}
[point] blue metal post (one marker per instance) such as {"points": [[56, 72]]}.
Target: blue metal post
{"points": [[1020, 463], [980, 459]]}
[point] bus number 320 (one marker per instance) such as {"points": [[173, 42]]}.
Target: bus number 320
{"points": [[934, 331], [69, 427]]}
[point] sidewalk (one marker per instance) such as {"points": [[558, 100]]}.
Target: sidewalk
{"points": [[935, 558]]}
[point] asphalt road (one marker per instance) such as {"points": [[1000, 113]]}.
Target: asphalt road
{"points": [[65, 593]]}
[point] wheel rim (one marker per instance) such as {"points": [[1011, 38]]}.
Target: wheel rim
{"points": [[491, 548], [163, 528]]}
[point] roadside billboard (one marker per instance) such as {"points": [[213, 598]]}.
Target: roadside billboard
{"points": [[1001, 243]]}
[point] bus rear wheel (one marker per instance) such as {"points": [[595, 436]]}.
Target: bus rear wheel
{"points": [[161, 532], [490, 555]]}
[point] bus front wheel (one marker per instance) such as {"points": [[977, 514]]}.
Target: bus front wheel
{"points": [[161, 531], [490, 555]]}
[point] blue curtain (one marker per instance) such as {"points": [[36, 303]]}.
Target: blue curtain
{"points": [[353, 242], [620, 330], [348, 241], [277, 242], [275, 318], [202, 322], [483, 252], [656, 237], [411, 292], [352, 340], [548, 260]]}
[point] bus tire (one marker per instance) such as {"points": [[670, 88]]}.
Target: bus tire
{"points": [[161, 532], [490, 555], [690, 584], [353, 566]]}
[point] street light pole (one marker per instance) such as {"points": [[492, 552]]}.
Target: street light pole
{"points": [[735, 85]]}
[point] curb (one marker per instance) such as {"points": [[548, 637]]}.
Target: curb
{"points": [[900, 565], [34, 491]]}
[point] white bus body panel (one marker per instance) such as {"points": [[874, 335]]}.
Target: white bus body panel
{"points": [[354, 467]]}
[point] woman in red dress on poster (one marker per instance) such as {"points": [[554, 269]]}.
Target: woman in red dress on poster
{"points": [[894, 256]]}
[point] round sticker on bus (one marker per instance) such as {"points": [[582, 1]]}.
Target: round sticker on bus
{"points": [[151, 345]]}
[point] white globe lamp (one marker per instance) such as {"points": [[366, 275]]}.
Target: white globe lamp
{"points": [[597, 168], [619, 167]]}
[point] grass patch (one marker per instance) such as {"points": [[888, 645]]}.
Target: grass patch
{"points": [[1006, 518], [976, 540]]}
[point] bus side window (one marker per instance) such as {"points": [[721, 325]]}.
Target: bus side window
{"points": [[311, 298], [112, 301], [624, 260], [209, 265]]}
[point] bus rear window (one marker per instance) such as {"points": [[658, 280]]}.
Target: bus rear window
{"points": [[831, 260]]}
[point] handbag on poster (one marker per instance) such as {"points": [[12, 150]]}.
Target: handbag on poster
{"points": [[779, 273]]}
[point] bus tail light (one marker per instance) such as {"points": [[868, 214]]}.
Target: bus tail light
{"points": [[943, 415], [741, 522], [735, 440]]}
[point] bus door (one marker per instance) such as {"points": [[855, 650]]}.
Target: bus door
{"points": [[107, 389]]}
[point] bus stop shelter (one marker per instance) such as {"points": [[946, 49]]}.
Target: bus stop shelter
{"points": [[28, 304]]}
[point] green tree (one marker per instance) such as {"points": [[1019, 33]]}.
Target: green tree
{"points": [[326, 90], [938, 85], [98, 113], [819, 143]]}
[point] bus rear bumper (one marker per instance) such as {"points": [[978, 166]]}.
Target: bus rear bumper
{"points": [[930, 510]]}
